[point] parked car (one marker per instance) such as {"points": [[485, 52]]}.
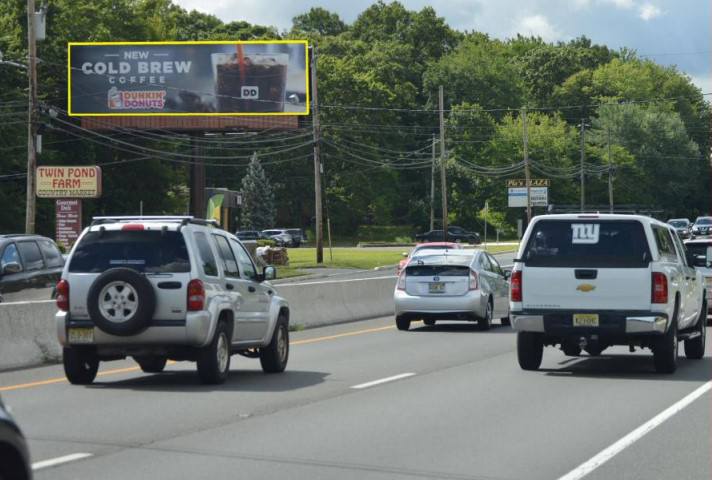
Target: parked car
{"points": [[587, 282], [298, 236], [682, 225], [702, 247], [251, 235], [463, 284], [280, 236], [167, 288], [14, 454], [435, 247], [454, 234], [30, 267], [702, 227]]}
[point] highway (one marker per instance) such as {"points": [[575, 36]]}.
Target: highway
{"points": [[365, 401]]}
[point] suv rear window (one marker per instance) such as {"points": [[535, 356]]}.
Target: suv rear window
{"points": [[587, 243], [149, 251]]}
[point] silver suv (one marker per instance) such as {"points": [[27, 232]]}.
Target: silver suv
{"points": [[167, 288]]}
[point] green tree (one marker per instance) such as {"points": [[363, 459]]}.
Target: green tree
{"points": [[319, 20], [259, 210]]}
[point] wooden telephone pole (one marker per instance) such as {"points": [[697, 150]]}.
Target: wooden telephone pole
{"points": [[319, 230], [32, 124]]}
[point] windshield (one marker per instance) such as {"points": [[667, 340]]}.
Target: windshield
{"points": [[678, 223], [700, 249], [149, 251], [703, 221], [272, 232]]}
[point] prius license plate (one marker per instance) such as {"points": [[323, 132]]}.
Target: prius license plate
{"points": [[436, 287], [585, 319], [81, 335]]}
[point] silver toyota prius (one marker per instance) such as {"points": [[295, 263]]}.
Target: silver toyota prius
{"points": [[455, 285]]}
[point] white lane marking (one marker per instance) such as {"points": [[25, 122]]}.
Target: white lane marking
{"points": [[605, 455], [383, 380], [59, 460]]}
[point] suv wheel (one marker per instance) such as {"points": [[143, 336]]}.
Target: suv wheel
{"points": [[80, 364], [486, 322], [530, 349], [151, 363], [121, 302], [402, 322], [274, 356], [665, 350], [214, 359], [695, 347]]}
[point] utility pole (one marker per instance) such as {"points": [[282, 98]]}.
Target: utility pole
{"points": [[610, 172], [432, 189], [526, 164], [32, 123], [583, 160], [317, 164], [443, 179]]}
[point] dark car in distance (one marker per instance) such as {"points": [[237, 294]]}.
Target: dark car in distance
{"points": [[30, 267], [14, 454], [702, 227], [251, 235], [454, 234], [683, 227], [298, 236]]}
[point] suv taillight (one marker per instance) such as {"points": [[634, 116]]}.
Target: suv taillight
{"points": [[660, 288], [401, 280], [196, 295], [474, 282], [515, 286], [63, 295]]}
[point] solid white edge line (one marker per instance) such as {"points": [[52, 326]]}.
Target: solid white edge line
{"points": [[383, 380], [59, 460], [605, 455]]}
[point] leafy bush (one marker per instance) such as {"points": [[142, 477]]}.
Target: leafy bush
{"points": [[385, 233], [264, 243]]}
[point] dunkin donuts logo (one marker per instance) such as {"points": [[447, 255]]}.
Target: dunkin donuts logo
{"points": [[136, 99]]}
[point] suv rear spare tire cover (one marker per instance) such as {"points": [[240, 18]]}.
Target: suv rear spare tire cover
{"points": [[121, 302]]}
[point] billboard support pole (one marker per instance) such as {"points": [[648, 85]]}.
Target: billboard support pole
{"points": [[317, 165], [526, 164], [197, 178], [32, 124], [443, 179]]}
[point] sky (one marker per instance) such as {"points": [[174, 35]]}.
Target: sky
{"points": [[669, 32]]}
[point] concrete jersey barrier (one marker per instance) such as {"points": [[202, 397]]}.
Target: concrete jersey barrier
{"points": [[28, 336]]}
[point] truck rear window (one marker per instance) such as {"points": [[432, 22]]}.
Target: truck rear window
{"points": [[587, 243], [149, 251]]}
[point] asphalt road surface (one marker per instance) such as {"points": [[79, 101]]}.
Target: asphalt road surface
{"points": [[365, 401]]}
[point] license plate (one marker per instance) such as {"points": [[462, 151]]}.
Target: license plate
{"points": [[436, 287], [585, 319], [81, 335]]}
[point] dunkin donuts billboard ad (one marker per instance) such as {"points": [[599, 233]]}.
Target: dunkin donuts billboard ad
{"points": [[188, 78]]}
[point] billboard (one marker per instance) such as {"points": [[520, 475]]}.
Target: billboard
{"points": [[517, 196], [188, 78], [68, 182]]}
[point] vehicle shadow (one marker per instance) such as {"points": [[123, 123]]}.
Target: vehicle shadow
{"points": [[630, 367], [238, 381], [460, 327]]}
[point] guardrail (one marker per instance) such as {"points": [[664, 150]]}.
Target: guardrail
{"points": [[28, 336]]}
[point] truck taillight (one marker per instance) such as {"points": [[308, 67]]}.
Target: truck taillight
{"points": [[474, 282], [63, 295], [196, 295], [660, 288], [515, 286], [401, 280]]}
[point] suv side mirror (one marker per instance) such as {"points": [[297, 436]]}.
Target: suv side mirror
{"points": [[507, 274], [269, 273], [11, 268]]}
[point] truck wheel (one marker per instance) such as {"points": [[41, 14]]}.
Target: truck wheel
{"points": [[571, 350], [695, 347], [151, 363], [530, 349], [485, 323], [665, 350], [214, 359], [402, 322], [80, 364], [274, 356]]}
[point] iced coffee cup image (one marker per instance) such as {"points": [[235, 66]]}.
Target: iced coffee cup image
{"points": [[254, 82]]}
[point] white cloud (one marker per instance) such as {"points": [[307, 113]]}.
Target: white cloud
{"points": [[627, 4], [703, 82], [536, 25], [649, 11], [581, 4]]}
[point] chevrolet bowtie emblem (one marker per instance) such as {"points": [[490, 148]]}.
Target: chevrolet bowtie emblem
{"points": [[585, 287]]}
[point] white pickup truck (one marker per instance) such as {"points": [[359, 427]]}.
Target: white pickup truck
{"points": [[590, 281]]}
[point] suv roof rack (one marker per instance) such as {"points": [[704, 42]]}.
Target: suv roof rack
{"points": [[183, 220], [13, 235]]}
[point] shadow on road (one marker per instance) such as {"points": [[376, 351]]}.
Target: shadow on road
{"points": [[630, 367], [462, 327], [237, 381]]}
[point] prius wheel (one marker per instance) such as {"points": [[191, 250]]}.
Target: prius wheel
{"points": [[486, 322], [402, 322]]}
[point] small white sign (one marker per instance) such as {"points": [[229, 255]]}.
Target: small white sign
{"points": [[517, 196], [585, 232], [250, 92]]}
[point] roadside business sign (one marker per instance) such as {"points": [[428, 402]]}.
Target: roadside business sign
{"points": [[68, 220], [188, 78], [517, 196], [68, 182], [533, 182]]}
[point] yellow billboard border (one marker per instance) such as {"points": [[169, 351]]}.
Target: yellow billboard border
{"points": [[201, 42]]}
